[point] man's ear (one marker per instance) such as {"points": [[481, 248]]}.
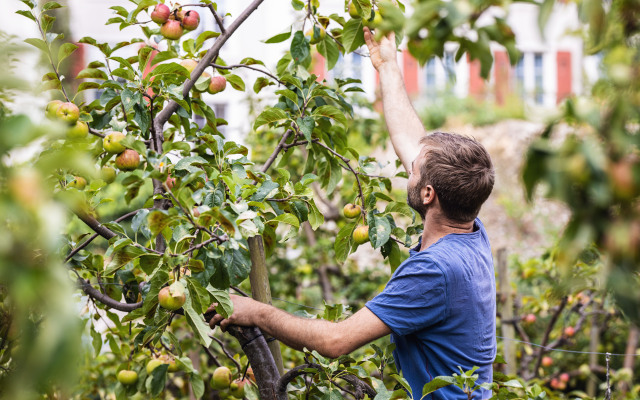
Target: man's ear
{"points": [[428, 194]]}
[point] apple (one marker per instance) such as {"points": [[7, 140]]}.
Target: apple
{"points": [[78, 182], [569, 331], [221, 378], [52, 108], [529, 318], [78, 131], [172, 29], [236, 388], [375, 21], [172, 297], [353, 11], [250, 375], [564, 377], [153, 364], [108, 174], [111, 142], [217, 85], [160, 14], [128, 160], [68, 112], [173, 367], [554, 383], [361, 234], [189, 64], [180, 14], [127, 377], [312, 37], [585, 370], [170, 182], [352, 210], [191, 20], [547, 361]]}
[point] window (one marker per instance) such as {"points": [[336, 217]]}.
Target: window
{"points": [[519, 76], [348, 66], [430, 82], [221, 112], [449, 68], [539, 78]]}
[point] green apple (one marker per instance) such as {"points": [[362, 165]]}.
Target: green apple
{"points": [[352, 210], [313, 39], [237, 388], [52, 108], [172, 297], [79, 131], [221, 378], [189, 64], [68, 112], [128, 160], [127, 377], [108, 174], [153, 364], [78, 182], [353, 10], [375, 21], [361, 234], [111, 142]]}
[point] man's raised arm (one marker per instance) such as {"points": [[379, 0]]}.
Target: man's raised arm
{"points": [[405, 128]]}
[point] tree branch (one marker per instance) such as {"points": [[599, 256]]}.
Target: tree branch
{"points": [[106, 300], [249, 67], [281, 145]]}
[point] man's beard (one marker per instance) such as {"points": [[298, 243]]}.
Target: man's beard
{"points": [[414, 201]]}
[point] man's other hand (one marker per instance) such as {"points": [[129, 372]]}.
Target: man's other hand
{"points": [[381, 52], [245, 310]]}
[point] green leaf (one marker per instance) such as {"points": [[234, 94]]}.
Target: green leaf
{"points": [[261, 83], [379, 230], [88, 85], [401, 208], [315, 216], [197, 385], [289, 219], [280, 37], [65, 51], [512, 383], [225, 305], [171, 69], [544, 13], [306, 126], [251, 61], [39, 43], [437, 383], [158, 379], [204, 36], [158, 220], [200, 297], [352, 35], [236, 82], [92, 73], [264, 190], [329, 50], [270, 115], [344, 242], [122, 257], [299, 49], [96, 340], [26, 13], [330, 112], [196, 321]]}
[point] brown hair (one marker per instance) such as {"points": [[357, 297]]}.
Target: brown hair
{"points": [[460, 170]]}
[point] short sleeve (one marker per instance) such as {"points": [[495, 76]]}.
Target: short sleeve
{"points": [[414, 298]]}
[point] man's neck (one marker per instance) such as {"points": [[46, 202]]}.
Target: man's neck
{"points": [[436, 226]]}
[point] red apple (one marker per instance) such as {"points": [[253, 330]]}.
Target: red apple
{"points": [[111, 142], [236, 388], [529, 318], [554, 383], [217, 85], [189, 64], [68, 112], [170, 182], [564, 377], [361, 234], [352, 210], [191, 20], [172, 297], [51, 109], [128, 160], [160, 14], [547, 361], [569, 331], [172, 29], [78, 131]]}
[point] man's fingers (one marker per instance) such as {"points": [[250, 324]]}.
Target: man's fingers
{"points": [[212, 307], [215, 320], [368, 38]]}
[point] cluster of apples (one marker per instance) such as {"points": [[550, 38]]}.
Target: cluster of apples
{"points": [[216, 84], [68, 113], [361, 233], [130, 377], [374, 20], [221, 380], [126, 159], [174, 23]]}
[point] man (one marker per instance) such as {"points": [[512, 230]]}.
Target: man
{"points": [[439, 305]]}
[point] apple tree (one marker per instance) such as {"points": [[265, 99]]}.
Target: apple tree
{"points": [[200, 215]]}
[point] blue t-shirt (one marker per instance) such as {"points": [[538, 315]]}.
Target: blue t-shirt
{"points": [[440, 305]]}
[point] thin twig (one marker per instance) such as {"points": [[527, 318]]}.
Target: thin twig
{"points": [[96, 133], [248, 67], [278, 149], [226, 352]]}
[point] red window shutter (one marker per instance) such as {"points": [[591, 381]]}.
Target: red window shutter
{"points": [[476, 83], [318, 67], [502, 72], [563, 60], [410, 68]]}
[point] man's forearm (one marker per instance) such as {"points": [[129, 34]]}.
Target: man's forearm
{"points": [[403, 123], [298, 333]]}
